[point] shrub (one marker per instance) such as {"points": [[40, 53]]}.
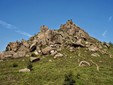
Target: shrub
{"points": [[15, 65], [30, 66], [110, 43], [69, 79]]}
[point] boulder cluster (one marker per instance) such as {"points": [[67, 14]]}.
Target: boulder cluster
{"points": [[51, 42]]}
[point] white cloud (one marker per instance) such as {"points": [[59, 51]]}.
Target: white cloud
{"points": [[104, 33], [110, 18], [14, 28], [24, 33]]}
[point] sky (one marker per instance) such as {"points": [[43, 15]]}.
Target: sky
{"points": [[21, 19]]}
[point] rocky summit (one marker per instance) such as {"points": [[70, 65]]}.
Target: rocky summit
{"points": [[51, 42]]}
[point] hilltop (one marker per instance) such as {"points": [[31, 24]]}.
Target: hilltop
{"points": [[50, 42], [67, 56]]}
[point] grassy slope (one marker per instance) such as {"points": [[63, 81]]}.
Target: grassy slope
{"points": [[52, 73]]}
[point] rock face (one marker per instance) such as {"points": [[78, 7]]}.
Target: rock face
{"points": [[48, 42]]}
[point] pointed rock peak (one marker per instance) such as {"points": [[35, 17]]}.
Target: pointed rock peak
{"points": [[43, 28], [69, 25], [69, 22]]}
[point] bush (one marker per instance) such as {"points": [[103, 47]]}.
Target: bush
{"points": [[15, 65], [69, 79], [30, 66], [110, 43]]}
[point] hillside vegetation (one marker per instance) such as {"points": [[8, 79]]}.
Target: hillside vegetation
{"points": [[50, 71]]}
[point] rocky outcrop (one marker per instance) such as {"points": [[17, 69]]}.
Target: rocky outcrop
{"points": [[13, 46], [48, 42], [19, 54]]}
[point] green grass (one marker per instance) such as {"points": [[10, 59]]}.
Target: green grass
{"points": [[53, 73]]}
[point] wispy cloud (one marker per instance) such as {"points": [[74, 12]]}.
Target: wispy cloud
{"points": [[14, 28], [110, 18], [7, 25], [104, 33], [24, 33]]}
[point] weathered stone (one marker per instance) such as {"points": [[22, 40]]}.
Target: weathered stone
{"points": [[8, 54], [73, 30], [50, 60], [42, 40], [53, 45], [58, 55], [95, 55], [84, 63], [104, 51], [71, 49], [83, 34], [19, 54], [47, 50], [41, 36], [93, 48], [77, 44], [13, 46], [87, 43], [24, 70], [23, 48], [36, 53], [33, 47], [49, 35], [25, 43], [1, 55], [53, 52], [34, 59]]}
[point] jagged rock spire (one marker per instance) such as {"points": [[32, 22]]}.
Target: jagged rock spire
{"points": [[43, 28]]}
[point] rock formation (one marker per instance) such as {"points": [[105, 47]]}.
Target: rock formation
{"points": [[48, 42]]}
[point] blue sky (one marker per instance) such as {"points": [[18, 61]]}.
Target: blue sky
{"points": [[20, 19]]}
